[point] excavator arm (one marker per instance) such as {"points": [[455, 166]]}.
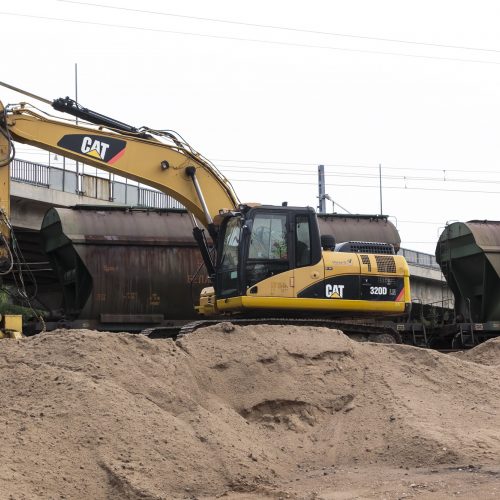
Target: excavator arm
{"points": [[159, 159], [11, 325], [5, 158]]}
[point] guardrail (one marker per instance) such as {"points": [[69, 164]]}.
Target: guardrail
{"points": [[419, 258], [32, 173], [156, 199], [92, 186]]}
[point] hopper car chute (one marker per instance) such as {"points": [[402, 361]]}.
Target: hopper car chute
{"points": [[469, 256]]}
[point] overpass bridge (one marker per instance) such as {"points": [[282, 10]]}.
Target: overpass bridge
{"points": [[37, 187]]}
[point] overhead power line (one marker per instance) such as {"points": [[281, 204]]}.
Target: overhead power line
{"points": [[252, 40], [405, 178], [283, 28], [313, 165], [300, 170], [341, 175], [307, 164], [364, 186], [346, 165]]}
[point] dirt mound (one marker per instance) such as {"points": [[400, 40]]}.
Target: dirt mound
{"points": [[244, 409], [487, 353]]}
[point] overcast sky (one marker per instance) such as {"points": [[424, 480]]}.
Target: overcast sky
{"points": [[268, 104]]}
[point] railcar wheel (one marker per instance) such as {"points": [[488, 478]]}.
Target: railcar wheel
{"points": [[385, 338]]}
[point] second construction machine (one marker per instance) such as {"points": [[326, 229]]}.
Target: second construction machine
{"points": [[264, 261]]}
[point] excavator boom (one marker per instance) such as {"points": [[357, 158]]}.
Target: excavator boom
{"points": [[161, 161]]}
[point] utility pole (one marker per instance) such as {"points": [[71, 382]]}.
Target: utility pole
{"points": [[380, 185], [321, 189], [78, 191]]}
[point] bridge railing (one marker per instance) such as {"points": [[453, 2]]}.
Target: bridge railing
{"points": [[419, 258], [32, 173], [92, 186]]}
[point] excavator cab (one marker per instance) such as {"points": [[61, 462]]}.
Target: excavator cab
{"points": [[262, 242], [273, 259]]}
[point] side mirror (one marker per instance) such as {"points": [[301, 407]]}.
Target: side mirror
{"points": [[328, 242]]}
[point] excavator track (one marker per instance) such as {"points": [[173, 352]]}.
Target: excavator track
{"points": [[367, 331]]}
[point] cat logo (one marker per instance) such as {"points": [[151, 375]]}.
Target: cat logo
{"points": [[94, 147], [334, 291], [106, 149]]}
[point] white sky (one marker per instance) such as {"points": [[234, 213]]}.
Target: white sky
{"points": [[268, 114]]}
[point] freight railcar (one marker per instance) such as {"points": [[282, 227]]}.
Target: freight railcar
{"points": [[129, 268]]}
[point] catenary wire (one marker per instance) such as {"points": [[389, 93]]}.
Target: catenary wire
{"points": [[252, 40], [369, 176], [347, 165], [284, 28], [299, 166], [282, 171], [371, 186]]}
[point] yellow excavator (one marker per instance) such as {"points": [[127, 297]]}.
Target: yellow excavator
{"points": [[263, 260]]}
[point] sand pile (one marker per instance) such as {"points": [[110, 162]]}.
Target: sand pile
{"points": [[487, 353], [94, 415]]}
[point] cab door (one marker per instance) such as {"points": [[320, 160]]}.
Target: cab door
{"points": [[268, 266], [308, 266]]}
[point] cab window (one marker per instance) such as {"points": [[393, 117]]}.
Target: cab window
{"points": [[268, 239], [268, 248], [302, 241], [229, 254], [227, 274]]}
